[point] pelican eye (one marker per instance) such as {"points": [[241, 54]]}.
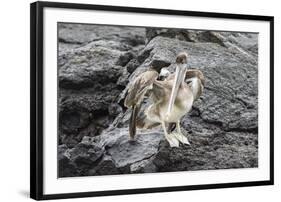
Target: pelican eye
{"points": [[188, 81]]}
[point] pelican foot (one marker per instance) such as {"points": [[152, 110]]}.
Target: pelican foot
{"points": [[173, 141], [180, 137]]}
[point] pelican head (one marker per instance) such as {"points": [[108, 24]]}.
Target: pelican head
{"points": [[181, 63], [182, 58]]}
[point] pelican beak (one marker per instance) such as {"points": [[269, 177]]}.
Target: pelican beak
{"points": [[179, 78]]}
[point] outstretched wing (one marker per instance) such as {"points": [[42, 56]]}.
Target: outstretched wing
{"points": [[135, 96], [191, 73], [196, 80], [139, 87]]}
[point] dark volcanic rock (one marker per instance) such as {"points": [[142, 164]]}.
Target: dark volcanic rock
{"points": [[125, 152], [82, 34], [91, 63], [96, 64], [84, 155], [219, 151], [85, 113], [112, 153], [78, 160], [66, 168]]}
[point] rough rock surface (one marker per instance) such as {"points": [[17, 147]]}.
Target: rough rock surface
{"points": [[97, 62], [91, 60]]}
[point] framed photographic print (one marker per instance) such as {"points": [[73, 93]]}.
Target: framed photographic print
{"points": [[135, 100]]}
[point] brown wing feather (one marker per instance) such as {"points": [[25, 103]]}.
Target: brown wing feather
{"points": [[135, 96], [195, 73], [139, 87], [191, 73], [159, 89]]}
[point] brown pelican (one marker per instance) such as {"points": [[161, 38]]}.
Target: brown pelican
{"points": [[171, 99]]}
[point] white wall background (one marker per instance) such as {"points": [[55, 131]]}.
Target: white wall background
{"points": [[14, 100]]}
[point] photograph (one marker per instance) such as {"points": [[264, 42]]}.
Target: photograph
{"points": [[134, 99], [140, 101]]}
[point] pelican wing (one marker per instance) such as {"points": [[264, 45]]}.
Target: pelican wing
{"points": [[159, 89], [191, 73], [198, 85], [136, 92], [139, 87]]}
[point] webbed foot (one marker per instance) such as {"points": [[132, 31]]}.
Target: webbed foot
{"points": [[181, 138], [173, 141]]}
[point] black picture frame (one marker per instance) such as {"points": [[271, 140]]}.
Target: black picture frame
{"points": [[36, 98]]}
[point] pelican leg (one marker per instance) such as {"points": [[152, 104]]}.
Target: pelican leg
{"points": [[170, 137], [179, 135]]}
